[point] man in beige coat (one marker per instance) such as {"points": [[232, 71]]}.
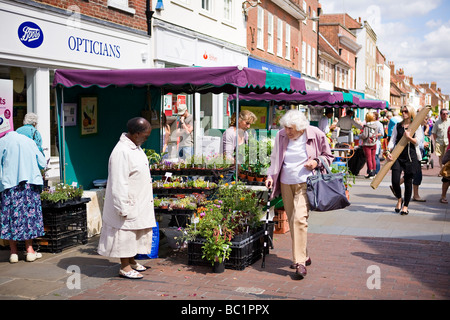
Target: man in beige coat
{"points": [[128, 213]]}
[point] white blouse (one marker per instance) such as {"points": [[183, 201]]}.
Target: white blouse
{"points": [[294, 171]]}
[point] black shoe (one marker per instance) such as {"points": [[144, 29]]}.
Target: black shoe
{"points": [[404, 213], [398, 210]]}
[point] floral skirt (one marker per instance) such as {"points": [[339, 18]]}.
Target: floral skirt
{"points": [[21, 213]]}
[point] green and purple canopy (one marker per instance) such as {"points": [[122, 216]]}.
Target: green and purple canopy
{"points": [[185, 79]]}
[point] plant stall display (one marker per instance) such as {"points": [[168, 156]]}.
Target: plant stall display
{"points": [[256, 155], [65, 218], [226, 229], [214, 165]]}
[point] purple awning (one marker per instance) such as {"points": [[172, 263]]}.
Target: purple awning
{"points": [[372, 104], [184, 79], [323, 98]]}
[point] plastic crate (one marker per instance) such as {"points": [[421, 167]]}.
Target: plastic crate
{"points": [[62, 241], [65, 225], [245, 250]]}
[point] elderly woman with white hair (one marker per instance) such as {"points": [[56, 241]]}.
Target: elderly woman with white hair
{"points": [[295, 155], [29, 129]]}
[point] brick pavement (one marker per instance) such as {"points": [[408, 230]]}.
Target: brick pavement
{"points": [[341, 269], [349, 248]]}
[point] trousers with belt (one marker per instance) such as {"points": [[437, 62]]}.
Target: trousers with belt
{"points": [[296, 206]]}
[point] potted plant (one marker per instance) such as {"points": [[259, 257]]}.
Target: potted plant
{"points": [[217, 247], [61, 195]]}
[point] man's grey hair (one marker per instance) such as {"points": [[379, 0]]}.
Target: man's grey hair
{"points": [[294, 118], [30, 118]]}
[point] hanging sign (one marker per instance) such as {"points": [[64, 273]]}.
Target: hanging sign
{"points": [[6, 107]]}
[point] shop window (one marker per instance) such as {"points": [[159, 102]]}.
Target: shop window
{"points": [[121, 5]]}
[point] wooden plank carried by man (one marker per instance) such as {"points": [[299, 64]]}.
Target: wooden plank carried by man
{"points": [[417, 121]]}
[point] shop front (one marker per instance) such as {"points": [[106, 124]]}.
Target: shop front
{"points": [[176, 46], [35, 42]]}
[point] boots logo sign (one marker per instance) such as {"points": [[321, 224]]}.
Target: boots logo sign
{"points": [[30, 34]]}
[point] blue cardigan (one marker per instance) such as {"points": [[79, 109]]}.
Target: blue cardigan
{"points": [[20, 160]]}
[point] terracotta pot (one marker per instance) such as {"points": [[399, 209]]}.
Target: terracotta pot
{"points": [[250, 178]]}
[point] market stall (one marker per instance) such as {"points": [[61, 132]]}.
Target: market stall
{"points": [[106, 99]]}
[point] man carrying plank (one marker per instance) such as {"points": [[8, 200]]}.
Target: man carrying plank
{"points": [[403, 156]]}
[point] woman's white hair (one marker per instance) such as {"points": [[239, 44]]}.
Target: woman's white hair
{"points": [[294, 118], [30, 118]]}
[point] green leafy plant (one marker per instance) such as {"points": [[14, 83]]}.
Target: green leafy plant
{"points": [[61, 193]]}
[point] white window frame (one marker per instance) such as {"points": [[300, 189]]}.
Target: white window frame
{"points": [[280, 38], [207, 5], [287, 42], [313, 63], [270, 32], [314, 23], [122, 5], [308, 60], [260, 29], [305, 7], [304, 57], [228, 10]]}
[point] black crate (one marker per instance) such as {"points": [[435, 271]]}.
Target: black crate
{"points": [[245, 250], [65, 225], [62, 241]]}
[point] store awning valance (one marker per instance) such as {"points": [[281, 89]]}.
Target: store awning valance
{"points": [[372, 104], [322, 98], [185, 79]]}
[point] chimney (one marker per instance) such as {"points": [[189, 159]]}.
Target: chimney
{"points": [[392, 66], [433, 85]]}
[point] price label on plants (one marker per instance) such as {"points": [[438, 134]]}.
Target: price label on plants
{"points": [[196, 220]]}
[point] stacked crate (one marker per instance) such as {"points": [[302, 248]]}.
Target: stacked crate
{"points": [[65, 226]]}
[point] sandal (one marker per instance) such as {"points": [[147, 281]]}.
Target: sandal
{"points": [[133, 274], [443, 200], [138, 267]]}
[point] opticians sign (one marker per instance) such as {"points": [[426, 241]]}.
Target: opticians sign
{"points": [[30, 34], [32, 37]]}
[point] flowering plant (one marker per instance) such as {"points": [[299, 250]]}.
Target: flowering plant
{"points": [[234, 211]]}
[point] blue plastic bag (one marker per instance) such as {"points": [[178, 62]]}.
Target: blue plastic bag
{"points": [[155, 246]]}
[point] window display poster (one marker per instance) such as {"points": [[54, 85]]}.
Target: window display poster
{"points": [[70, 114], [6, 106], [261, 116], [167, 103], [89, 124]]}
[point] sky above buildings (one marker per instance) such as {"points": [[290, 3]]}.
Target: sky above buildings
{"points": [[414, 34]]}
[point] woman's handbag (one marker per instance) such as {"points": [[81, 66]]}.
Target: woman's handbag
{"points": [[326, 191]]}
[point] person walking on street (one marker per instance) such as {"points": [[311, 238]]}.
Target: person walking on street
{"points": [[128, 212], [394, 118], [439, 133], [369, 137], [295, 154], [445, 172], [407, 161], [20, 187]]}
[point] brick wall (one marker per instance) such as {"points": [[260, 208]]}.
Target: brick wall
{"points": [[299, 32], [99, 9]]}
